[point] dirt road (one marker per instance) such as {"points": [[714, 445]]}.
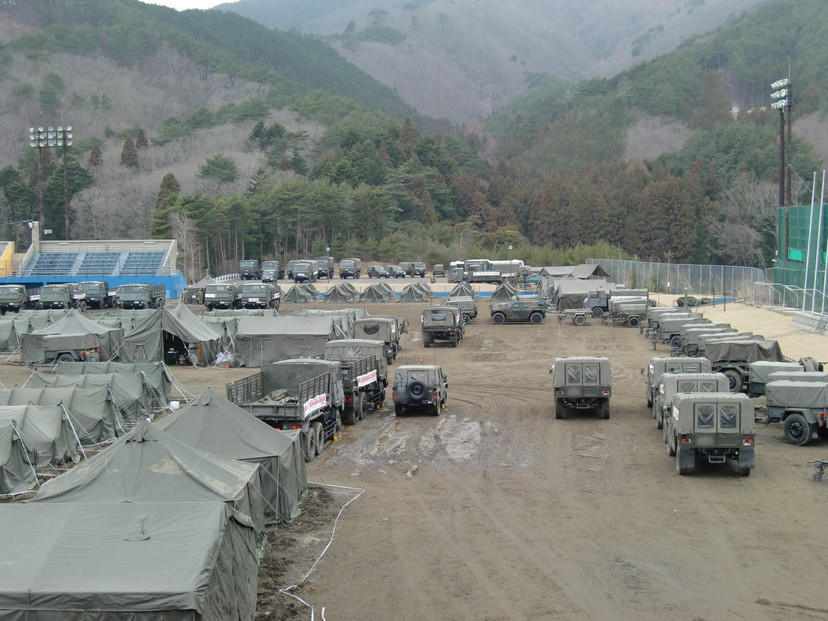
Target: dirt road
{"points": [[495, 510]]}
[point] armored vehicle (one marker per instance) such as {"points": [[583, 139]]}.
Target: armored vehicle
{"points": [[301, 394], [438, 270], [325, 266], [713, 426], [272, 271], [350, 268], [378, 271], [140, 295], [396, 271], [420, 387], [532, 308], [466, 303], [679, 364], [670, 384], [95, 294], [13, 298], [221, 295], [306, 271], [250, 269], [364, 375], [801, 406], [383, 328], [260, 295], [442, 323], [583, 383], [57, 296]]}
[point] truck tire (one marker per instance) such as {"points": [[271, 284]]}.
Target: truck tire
{"points": [[363, 405], [435, 409], [499, 318], [659, 420], [663, 432], [734, 379], [466, 318], [633, 322], [65, 358], [427, 339], [682, 470], [559, 411], [320, 437], [579, 320], [351, 415], [605, 409], [675, 341], [398, 409], [310, 445], [454, 341], [649, 398], [536, 318], [671, 449], [797, 430], [81, 305], [597, 312], [744, 472]]}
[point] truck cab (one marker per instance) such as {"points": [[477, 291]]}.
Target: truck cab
{"points": [[250, 269], [221, 295], [260, 295]]}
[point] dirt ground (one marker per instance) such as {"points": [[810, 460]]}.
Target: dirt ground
{"points": [[495, 510]]}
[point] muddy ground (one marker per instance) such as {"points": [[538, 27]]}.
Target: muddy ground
{"points": [[495, 510]]}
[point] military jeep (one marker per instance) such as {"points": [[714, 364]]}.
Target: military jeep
{"points": [[420, 387], [442, 323], [532, 308], [582, 383]]}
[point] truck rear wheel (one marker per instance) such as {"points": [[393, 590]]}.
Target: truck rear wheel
{"points": [[310, 444], [351, 415], [671, 442], [675, 341], [685, 469], [797, 430], [363, 405], [398, 409], [65, 358], [633, 322], [744, 472], [605, 409], [320, 437], [559, 410]]}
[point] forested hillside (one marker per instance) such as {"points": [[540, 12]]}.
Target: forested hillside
{"points": [[187, 127]]}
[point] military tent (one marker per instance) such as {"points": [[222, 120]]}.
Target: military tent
{"points": [[260, 340], [148, 465], [16, 472], [213, 424], [9, 337], [462, 288], [345, 318], [91, 412], [375, 293], [130, 392], [301, 294], [340, 293], [73, 331], [176, 332], [504, 292], [415, 293], [154, 374], [45, 432], [141, 561]]}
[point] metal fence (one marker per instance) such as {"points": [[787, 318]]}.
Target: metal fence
{"points": [[686, 279]]}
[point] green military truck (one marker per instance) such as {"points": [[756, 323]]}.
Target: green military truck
{"points": [[222, 295], [250, 269], [364, 375], [140, 295], [671, 364], [420, 387], [13, 298], [671, 384], [260, 295], [272, 271], [520, 308], [442, 323], [581, 383], [94, 294], [801, 406], [384, 328], [713, 427]]}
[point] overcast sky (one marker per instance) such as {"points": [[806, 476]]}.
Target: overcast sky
{"points": [[182, 5]]}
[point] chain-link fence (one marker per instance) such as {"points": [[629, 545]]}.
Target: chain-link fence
{"points": [[712, 281]]}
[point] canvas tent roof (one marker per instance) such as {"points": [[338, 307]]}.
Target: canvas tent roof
{"points": [[212, 423], [750, 350], [45, 432], [146, 342], [149, 465], [340, 293], [260, 340], [16, 473], [72, 331], [375, 293], [462, 288], [344, 317], [504, 292], [94, 417], [417, 292], [301, 294], [142, 561], [154, 373]]}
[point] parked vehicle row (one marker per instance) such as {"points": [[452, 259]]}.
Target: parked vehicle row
{"points": [[82, 295]]}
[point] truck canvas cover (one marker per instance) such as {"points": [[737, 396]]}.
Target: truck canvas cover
{"points": [[260, 340], [744, 351], [797, 394], [714, 413], [760, 370], [73, 331]]}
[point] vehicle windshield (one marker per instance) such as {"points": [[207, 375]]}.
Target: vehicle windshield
{"points": [[88, 286], [218, 288], [130, 289], [10, 291], [248, 289]]}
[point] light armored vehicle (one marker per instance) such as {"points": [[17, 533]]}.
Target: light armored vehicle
{"points": [[221, 295], [466, 303], [13, 298], [713, 426], [396, 271], [260, 295], [378, 271], [532, 308], [442, 323], [583, 383], [801, 406], [680, 364], [420, 387], [671, 384]]}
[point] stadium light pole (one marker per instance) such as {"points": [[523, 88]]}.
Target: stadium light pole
{"points": [[44, 138], [781, 100], [38, 139]]}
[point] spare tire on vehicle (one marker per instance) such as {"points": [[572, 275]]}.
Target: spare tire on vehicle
{"points": [[417, 389]]}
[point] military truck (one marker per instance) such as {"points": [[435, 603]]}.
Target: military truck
{"points": [[802, 407], [396, 271], [222, 295], [597, 301], [306, 270], [671, 384], [55, 296], [325, 266], [303, 394], [531, 308], [364, 375], [140, 295], [384, 328], [95, 294], [442, 323], [581, 383], [289, 269], [272, 271], [711, 426], [350, 268], [13, 298], [675, 364], [417, 268], [250, 269], [466, 303], [420, 387], [260, 295], [438, 270]]}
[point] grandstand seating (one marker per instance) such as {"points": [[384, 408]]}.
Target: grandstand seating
{"points": [[142, 263], [99, 263], [135, 263], [51, 264]]}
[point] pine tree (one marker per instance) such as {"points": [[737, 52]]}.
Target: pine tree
{"points": [[169, 187], [129, 154], [141, 141], [408, 137], [95, 156]]}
